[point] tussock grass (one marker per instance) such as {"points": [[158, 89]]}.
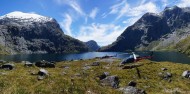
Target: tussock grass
{"points": [[66, 80]]}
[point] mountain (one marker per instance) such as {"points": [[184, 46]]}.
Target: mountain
{"points": [[29, 33], [152, 31], [92, 45]]}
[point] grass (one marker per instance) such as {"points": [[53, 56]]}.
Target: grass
{"points": [[65, 81]]}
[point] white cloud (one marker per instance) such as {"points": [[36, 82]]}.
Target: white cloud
{"points": [[164, 3], [66, 24], [124, 9], [184, 3], [104, 34], [93, 13], [116, 8], [73, 4]]}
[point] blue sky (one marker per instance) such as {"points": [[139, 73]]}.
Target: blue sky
{"points": [[99, 20]]}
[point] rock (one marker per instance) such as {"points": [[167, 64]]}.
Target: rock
{"points": [[132, 83], [131, 66], [27, 64], [104, 75], [165, 75], [95, 64], [43, 72], [186, 74], [8, 66], [77, 74], [112, 81], [86, 67], [2, 61], [45, 64], [41, 77], [164, 69], [132, 90]]}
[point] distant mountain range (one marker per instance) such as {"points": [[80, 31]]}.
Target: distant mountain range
{"points": [[168, 30], [33, 33], [92, 45]]}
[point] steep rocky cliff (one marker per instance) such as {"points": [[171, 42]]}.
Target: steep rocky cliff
{"points": [[33, 33], [154, 31]]}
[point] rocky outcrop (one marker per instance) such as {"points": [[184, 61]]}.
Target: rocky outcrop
{"points": [[92, 45], [32, 33], [154, 31]]}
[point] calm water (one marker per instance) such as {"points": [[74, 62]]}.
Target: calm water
{"points": [[158, 56]]}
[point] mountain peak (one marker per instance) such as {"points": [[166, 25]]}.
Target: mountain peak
{"points": [[172, 8], [26, 16]]}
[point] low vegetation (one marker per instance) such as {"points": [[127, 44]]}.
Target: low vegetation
{"points": [[72, 77]]}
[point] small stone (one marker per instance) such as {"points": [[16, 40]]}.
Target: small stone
{"points": [[43, 72], [95, 64], [132, 83], [8, 66], [41, 77], [77, 74], [164, 69], [112, 81], [132, 90], [27, 64], [186, 74], [104, 75]]}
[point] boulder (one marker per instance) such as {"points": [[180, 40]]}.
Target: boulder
{"points": [[112, 81], [95, 64], [45, 64], [27, 64], [43, 72], [165, 75], [186, 74], [132, 90], [132, 83], [8, 66], [132, 66], [103, 75], [2, 61], [164, 69]]}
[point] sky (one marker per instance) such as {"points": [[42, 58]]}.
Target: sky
{"points": [[99, 20]]}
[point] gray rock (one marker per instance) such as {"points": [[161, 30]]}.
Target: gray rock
{"points": [[186, 74], [45, 64], [165, 75], [104, 75], [95, 64], [132, 90], [27, 64], [8, 66], [2, 61], [132, 83], [41, 77], [132, 66], [112, 81], [164, 69], [43, 72], [86, 67]]}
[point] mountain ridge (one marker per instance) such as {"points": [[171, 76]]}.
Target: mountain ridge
{"points": [[92, 45], [36, 35], [154, 31]]}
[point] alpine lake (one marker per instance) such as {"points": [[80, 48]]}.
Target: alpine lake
{"points": [[157, 56]]}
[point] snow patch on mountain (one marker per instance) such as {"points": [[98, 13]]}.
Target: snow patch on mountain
{"points": [[26, 17]]}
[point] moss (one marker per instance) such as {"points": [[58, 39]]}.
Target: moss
{"points": [[20, 81]]}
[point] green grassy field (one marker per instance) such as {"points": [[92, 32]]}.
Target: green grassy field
{"points": [[68, 81]]}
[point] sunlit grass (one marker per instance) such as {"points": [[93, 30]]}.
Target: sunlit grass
{"points": [[66, 81]]}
